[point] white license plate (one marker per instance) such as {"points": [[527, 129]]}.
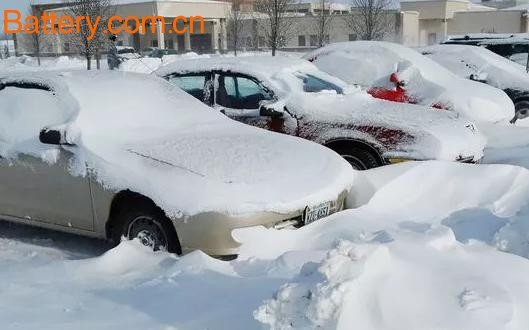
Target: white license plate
{"points": [[314, 213]]}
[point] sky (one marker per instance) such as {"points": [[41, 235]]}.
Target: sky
{"points": [[20, 5]]}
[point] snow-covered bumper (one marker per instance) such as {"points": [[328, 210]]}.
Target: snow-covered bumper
{"points": [[458, 141], [211, 232]]}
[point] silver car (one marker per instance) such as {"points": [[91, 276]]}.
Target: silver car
{"points": [[113, 155]]}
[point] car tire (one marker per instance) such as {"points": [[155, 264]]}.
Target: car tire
{"points": [[522, 109], [149, 224], [359, 158]]}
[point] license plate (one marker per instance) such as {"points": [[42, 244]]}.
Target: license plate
{"points": [[314, 213]]}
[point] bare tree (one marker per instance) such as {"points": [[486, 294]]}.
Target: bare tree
{"points": [[235, 25], [278, 28], [369, 19], [5, 51], [36, 40], [88, 43], [323, 19]]}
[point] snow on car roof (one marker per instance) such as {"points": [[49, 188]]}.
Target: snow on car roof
{"points": [[370, 63], [140, 133], [467, 60], [276, 71]]}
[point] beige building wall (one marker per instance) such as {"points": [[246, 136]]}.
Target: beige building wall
{"points": [[441, 18], [409, 28], [488, 22], [212, 39]]}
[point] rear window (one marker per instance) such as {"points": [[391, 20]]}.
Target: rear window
{"points": [[313, 84]]}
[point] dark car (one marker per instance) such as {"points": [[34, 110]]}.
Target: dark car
{"points": [[506, 45]]}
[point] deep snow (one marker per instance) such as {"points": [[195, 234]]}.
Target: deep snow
{"points": [[430, 245]]}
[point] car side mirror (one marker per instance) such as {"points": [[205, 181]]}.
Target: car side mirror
{"points": [[479, 77], [267, 110], [53, 137]]}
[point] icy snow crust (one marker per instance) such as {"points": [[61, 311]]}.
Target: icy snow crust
{"points": [[437, 134], [370, 63], [140, 133], [465, 60]]}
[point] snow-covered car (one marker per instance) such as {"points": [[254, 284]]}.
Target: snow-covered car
{"points": [[480, 64], [127, 53], [292, 96], [401, 74], [510, 46], [160, 53], [119, 154]]}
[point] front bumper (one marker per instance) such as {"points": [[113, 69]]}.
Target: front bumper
{"points": [[460, 159], [211, 232]]}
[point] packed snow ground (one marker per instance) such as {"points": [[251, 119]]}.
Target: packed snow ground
{"points": [[428, 245]]}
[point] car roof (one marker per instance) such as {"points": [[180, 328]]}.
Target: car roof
{"points": [[110, 94], [277, 72], [265, 65]]}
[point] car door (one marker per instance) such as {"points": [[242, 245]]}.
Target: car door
{"points": [[199, 85], [240, 96], [34, 186]]}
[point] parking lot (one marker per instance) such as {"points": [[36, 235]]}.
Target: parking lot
{"points": [[437, 238]]}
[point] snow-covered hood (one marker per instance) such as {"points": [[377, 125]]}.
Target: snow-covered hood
{"points": [[140, 133], [370, 64], [428, 133]]}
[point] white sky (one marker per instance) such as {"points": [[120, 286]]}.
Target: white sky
{"points": [[20, 5]]}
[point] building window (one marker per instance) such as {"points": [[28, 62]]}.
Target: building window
{"points": [[262, 42], [432, 39], [313, 40], [154, 43], [169, 44], [66, 47], [249, 42], [353, 37], [301, 41]]}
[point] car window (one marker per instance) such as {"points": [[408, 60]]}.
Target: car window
{"points": [[25, 110], [313, 84], [193, 85], [239, 92]]}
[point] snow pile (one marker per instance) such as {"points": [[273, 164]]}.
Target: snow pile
{"points": [[141, 65], [370, 64], [416, 281], [424, 262], [26, 63], [419, 264]]}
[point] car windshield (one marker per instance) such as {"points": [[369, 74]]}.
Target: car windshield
{"points": [[313, 84], [126, 51]]}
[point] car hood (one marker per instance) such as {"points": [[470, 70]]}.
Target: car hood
{"points": [[236, 170], [428, 133]]}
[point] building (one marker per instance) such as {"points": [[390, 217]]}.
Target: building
{"points": [[438, 19], [304, 21], [213, 39]]}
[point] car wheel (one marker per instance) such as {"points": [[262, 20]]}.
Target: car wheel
{"points": [[150, 226], [360, 159], [522, 109]]}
